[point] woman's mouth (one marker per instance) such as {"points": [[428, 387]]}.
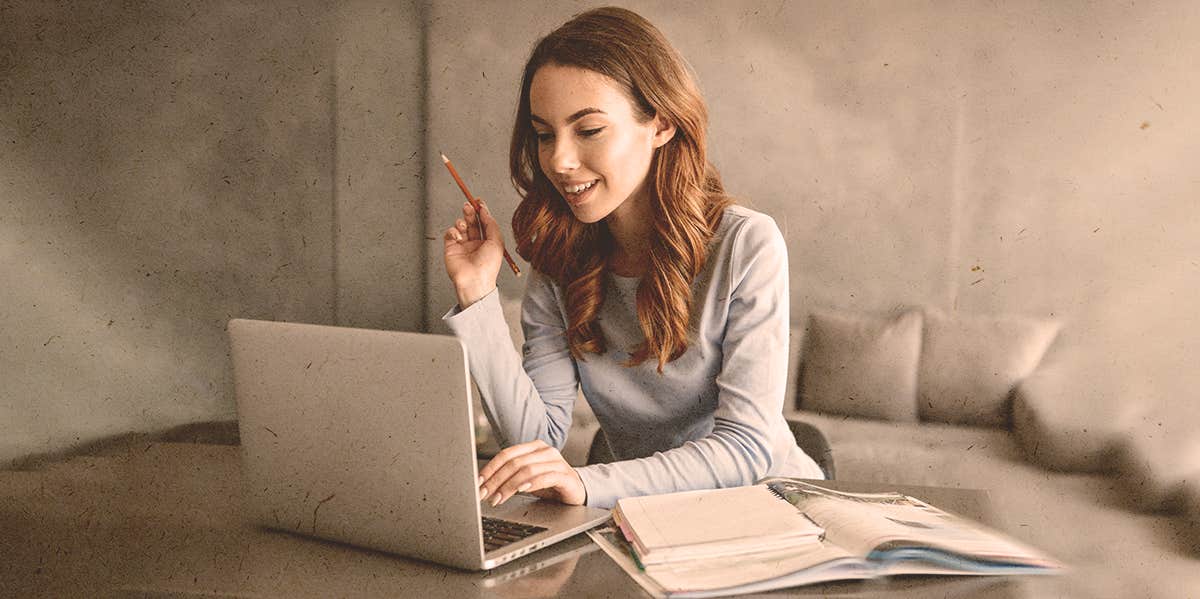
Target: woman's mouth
{"points": [[577, 194]]}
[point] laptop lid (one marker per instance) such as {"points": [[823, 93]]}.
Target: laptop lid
{"points": [[359, 436]]}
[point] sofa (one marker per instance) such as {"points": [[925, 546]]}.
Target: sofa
{"points": [[1011, 404]]}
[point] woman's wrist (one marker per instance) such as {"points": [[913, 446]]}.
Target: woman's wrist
{"points": [[581, 484], [469, 294]]}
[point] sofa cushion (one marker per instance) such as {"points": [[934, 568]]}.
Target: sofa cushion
{"points": [[861, 364], [970, 364], [896, 443]]}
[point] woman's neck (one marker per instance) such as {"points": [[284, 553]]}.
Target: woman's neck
{"points": [[631, 226]]}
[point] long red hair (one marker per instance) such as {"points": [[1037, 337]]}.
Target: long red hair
{"points": [[686, 193]]}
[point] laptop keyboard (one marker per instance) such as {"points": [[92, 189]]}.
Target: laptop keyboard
{"points": [[498, 533]]}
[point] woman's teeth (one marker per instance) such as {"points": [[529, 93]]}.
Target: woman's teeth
{"points": [[579, 188]]}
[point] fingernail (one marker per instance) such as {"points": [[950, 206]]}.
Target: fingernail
{"points": [[524, 487], [480, 483], [495, 500], [483, 493]]}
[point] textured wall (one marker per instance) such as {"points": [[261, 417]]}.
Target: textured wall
{"points": [[1025, 157], [163, 168], [379, 209], [169, 166]]}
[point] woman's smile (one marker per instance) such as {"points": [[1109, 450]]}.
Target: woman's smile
{"points": [[578, 194]]}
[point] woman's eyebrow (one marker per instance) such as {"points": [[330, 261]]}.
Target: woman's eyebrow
{"points": [[578, 114]]}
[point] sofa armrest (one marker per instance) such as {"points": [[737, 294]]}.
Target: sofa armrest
{"points": [[1069, 415], [813, 443]]}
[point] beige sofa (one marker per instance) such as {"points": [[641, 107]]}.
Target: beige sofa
{"points": [[1070, 464]]}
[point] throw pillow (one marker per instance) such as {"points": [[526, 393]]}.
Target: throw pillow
{"points": [[970, 364], [864, 365]]}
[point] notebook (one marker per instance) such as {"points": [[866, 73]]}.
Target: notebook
{"points": [[786, 532], [711, 523], [367, 437]]}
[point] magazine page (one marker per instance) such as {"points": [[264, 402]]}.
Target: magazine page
{"points": [[911, 534], [805, 564]]}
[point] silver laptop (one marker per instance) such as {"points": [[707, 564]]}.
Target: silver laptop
{"points": [[367, 437]]}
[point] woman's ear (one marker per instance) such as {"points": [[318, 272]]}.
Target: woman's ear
{"points": [[664, 131]]}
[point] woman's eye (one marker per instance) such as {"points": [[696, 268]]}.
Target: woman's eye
{"points": [[545, 137]]}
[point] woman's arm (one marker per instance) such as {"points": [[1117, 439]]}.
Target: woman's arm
{"points": [[529, 405], [529, 398], [523, 404]]}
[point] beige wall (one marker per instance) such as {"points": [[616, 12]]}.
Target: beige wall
{"points": [[169, 166], [165, 168], [379, 145]]}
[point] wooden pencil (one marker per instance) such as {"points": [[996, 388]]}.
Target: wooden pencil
{"points": [[475, 204]]}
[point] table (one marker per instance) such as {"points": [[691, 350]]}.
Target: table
{"points": [[165, 520]]}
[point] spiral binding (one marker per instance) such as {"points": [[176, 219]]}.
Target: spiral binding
{"points": [[775, 492]]}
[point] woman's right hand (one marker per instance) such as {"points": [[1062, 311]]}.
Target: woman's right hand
{"points": [[473, 262]]}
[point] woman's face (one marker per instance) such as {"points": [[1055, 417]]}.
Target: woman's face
{"points": [[588, 133]]}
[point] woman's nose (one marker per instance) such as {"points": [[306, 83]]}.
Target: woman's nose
{"points": [[564, 157]]}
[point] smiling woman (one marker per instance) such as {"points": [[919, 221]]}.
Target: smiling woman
{"points": [[651, 290]]}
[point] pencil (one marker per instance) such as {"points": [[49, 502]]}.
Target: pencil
{"points": [[475, 204]]}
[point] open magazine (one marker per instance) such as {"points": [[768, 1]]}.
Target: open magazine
{"points": [[865, 535]]}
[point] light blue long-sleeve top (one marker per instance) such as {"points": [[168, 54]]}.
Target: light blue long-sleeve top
{"points": [[713, 418]]}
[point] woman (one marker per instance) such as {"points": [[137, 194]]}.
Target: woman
{"points": [[666, 302]]}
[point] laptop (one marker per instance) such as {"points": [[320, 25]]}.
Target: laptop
{"points": [[367, 437]]}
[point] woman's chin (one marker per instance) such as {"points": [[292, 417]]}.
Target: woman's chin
{"points": [[584, 215], [586, 212]]}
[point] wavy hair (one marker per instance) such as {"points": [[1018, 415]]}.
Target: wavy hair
{"points": [[686, 193]]}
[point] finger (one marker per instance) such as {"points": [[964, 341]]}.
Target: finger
{"points": [[474, 221], [509, 453], [522, 478], [510, 467], [503, 479], [471, 228], [546, 481], [491, 228], [452, 236], [504, 464]]}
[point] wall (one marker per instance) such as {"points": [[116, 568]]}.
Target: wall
{"points": [[1026, 157], [166, 167], [380, 81]]}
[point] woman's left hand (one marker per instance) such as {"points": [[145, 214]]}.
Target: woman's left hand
{"points": [[532, 467]]}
